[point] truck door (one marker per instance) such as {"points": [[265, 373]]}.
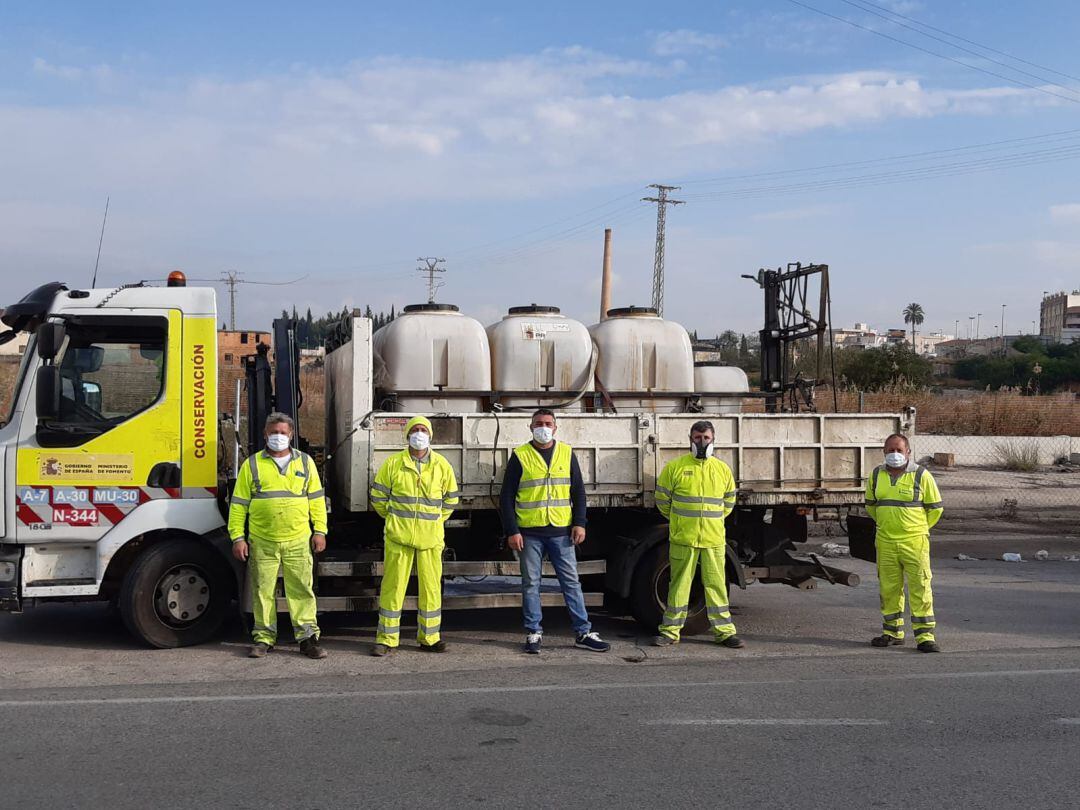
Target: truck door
{"points": [[115, 444]]}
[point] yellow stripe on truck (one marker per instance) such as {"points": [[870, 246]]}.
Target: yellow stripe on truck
{"points": [[199, 419]]}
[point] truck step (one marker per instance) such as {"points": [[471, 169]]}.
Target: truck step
{"points": [[475, 568], [340, 604]]}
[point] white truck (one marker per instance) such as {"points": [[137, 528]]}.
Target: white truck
{"points": [[117, 468]]}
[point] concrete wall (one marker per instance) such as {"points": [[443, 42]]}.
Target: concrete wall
{"points": [[981, 451]]}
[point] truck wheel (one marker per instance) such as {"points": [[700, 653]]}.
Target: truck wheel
{"points": [[176, 594], [649, 588]]}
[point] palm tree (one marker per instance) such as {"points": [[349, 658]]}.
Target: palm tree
{"points": [[913, 314]]}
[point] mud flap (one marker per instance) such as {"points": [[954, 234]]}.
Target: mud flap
{"points": [[861, 532]]}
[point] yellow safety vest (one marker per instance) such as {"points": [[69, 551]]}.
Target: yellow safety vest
{"points": [[278, 504], [415, 498], [695, 495], [543, 496], [905, 508]]}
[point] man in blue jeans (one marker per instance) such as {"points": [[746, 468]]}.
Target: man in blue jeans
{"points": [[543, 510]]}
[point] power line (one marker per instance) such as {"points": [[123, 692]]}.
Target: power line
{"points": [[973, 42], [662, 202], [1035, 157], [431, 269], [944, 41], [232, 277], [891, 38], [988, 145]]}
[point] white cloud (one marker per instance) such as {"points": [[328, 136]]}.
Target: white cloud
{"points": [[509, 128], [70, 73], [686, 41], [1068, 213]]}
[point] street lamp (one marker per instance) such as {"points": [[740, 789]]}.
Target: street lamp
{"points": [[978, 324], [1003, 330], [971, 325], [956, 330]]}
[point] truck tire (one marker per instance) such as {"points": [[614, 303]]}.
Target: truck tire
{"points": [[176, 594], [648, 593]]}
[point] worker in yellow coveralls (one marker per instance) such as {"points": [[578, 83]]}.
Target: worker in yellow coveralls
{"points": [[903, 499], [280, 497], [415, 491], [696, 493]]}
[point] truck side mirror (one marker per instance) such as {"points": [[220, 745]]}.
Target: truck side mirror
{"points": [[50, 337], [91, 392], [48, 385]]}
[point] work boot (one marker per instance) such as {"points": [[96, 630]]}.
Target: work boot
{"points": [[929, 646], [379, 650], [886, 641], [438, 646], [310, 647], [259, 649], [732, 642], [664, 641]]}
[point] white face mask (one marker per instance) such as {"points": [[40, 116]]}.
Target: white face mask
{"points": [[277, 442], [895, 460], [701, 450], [419, 440], [543, 434]]}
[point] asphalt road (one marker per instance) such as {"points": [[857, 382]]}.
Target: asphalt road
{"points": [[807, 716]]}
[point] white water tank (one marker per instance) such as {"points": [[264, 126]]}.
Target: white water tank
{"points": [[712, 379], [642, 354], [432, 351], [537, 349]]}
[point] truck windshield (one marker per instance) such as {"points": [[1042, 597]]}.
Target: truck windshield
{"points": [[11, 385]]}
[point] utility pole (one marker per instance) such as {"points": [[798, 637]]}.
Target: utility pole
{"points": [[662, 202], [978, 325], [231, 279], [430, 268], [1003, 352]]}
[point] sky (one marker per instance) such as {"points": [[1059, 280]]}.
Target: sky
{"points": [[335, 143]]}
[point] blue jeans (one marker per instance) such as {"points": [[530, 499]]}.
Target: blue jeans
{"points": [[564, 559]]}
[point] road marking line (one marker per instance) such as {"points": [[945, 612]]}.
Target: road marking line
{"points": [[1069, 721], [769, 721], [494, 690]]}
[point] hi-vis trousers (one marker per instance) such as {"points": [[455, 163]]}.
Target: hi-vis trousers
{"points": [[895, 559], [295, 561], [397, 566], [684, 561]]}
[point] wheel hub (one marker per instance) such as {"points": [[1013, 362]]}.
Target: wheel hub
{"points": [[183, 595]]}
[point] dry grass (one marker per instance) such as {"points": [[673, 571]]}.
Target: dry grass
{"points": [[975, 413], [1018, 455]]}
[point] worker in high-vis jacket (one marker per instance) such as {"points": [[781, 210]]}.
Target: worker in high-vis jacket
{"points": [[542, 505], [415, 491], [277, 517], [696, 493], [903, 499]]}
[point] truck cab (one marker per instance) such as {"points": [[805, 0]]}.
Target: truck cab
{"points": [[110, 459]]}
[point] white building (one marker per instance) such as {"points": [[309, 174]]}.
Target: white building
{"points": [[17, 345]]}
